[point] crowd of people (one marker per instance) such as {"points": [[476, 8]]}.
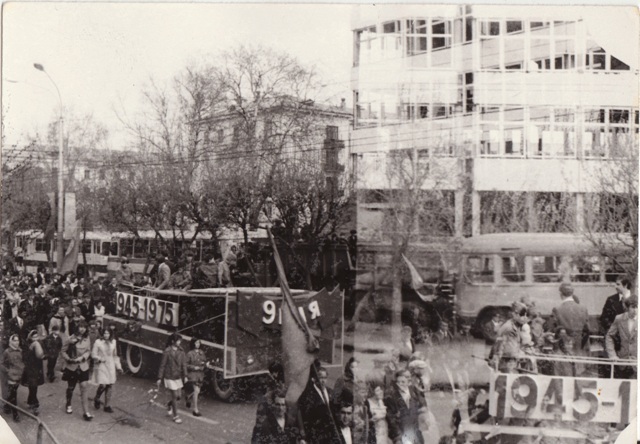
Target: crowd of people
{"points": [[567, 332], [59, 320], [388, 409], [52, 321]]}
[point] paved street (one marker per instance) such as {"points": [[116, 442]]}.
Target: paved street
{"points": [[137, 418]]}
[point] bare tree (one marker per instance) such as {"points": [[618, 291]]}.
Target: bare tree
{"points": [[417, 208], [611, 222]]}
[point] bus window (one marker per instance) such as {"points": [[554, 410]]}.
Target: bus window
{"points": [[126, 247], [546, 268], [154, 248], [479, 269], [586, 269], [513, 268], [106, 246], [141, 248], [113, 249], [86, 247]]}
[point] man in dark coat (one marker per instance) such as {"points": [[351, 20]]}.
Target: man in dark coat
{"points": [[314, 406], [403, 408], [614, 305], [274, 429]]}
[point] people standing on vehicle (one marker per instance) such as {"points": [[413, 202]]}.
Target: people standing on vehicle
{"points": [[574, 318], [490, 331], [33, 376], [507, 348], [196, 361], [164, 273], [124, 274], [173, 370], [76, 353], [105, 364], [625, 329], [52, 347], [224, 273], [12, 369], [614, 305]]}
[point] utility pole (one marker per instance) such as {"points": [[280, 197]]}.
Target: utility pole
{"points": [[60, 228]]}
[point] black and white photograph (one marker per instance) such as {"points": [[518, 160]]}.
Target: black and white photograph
{"points": [[319, 223]]}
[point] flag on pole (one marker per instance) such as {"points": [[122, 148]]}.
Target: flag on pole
{"points": [[416, 280], [70, 261], [299, 346]]}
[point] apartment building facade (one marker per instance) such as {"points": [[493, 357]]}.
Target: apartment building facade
{"points": [[508, 103]]}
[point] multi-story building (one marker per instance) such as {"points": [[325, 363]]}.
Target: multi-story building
{"points": [[527, 104], [282, 128]]}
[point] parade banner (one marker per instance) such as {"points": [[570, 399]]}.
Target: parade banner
{"points": [[542, 397], [147, 309]]}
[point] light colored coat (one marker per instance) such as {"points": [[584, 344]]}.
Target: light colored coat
{"points": [[628, 338], [105, 362]]}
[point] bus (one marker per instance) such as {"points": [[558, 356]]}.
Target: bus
{"points": [[101, 252], [239, 329], [486, 273], [498, 269]]}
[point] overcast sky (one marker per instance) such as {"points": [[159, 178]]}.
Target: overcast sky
{"points": [[100, 55]]}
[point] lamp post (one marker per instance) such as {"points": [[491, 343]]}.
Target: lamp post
{"points": [[60, 230]]}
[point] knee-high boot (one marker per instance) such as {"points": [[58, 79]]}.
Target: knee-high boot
{"points": [[107, 396]]}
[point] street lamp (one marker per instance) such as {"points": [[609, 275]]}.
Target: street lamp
{"points": [[60, 230]]}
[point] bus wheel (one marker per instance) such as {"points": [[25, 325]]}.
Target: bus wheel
{"points": [[135, 360], [223, 388]]}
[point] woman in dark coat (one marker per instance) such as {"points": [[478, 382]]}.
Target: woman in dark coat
{"points": [[33, 375]]}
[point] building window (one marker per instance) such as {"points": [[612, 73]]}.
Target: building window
{"points": [[87, 174], [416, 36], [220, 135], [441, 35], [514, 26], [331, 132], [391, 41], [101, 174], [363, 42], [490, 28]]}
